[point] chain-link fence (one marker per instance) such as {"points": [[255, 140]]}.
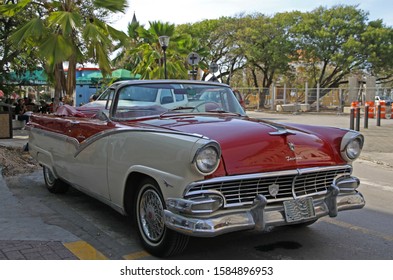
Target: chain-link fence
{"points": [[279, 98]]}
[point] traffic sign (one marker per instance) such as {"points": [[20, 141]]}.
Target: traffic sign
{"points": [[213, 67], [193, 58]]}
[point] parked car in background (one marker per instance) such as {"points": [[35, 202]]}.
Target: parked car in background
{"points": [[200, 167], [388, 100], [142, 97]]}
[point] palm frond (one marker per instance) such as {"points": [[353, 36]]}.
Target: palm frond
{"points": [[66, 20], [10, 10], [34, 28], [56, 49], [112, 5]]}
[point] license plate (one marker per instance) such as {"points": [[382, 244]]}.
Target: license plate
{"points": [[299, 209]]}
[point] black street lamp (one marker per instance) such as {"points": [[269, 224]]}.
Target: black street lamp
{"points": [[164, 42]]}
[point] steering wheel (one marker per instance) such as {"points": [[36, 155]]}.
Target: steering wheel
{"points": [[212, 104]]}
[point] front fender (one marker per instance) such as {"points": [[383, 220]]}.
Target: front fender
{"points": [[164, 156]]}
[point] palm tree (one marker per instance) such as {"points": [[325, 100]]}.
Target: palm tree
{"points": [[69, 30], [144, 55]]}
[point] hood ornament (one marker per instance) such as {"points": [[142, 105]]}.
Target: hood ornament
{"points": [[282, 131]]}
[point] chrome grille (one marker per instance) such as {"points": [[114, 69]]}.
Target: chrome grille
{"points": [[292, 184]]}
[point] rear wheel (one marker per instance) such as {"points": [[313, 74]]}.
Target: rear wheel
{"points": [[52, 184], [149, 217]]}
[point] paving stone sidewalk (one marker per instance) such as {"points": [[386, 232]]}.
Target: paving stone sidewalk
{"points": [[34, 250]]}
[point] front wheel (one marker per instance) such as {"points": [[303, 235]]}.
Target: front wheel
{"points": [[52, 184], [149, 217]]}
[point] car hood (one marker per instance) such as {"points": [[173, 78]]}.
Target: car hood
{"points": [[252, 146]]}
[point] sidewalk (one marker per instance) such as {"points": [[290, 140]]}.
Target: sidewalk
{"points": [[23, 236]]}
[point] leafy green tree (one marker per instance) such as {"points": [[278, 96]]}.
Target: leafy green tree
{"points": [[377, 40], [216, 42], [268, 46], [330, 43], [143, 54], [67, 30], [14, 58], [122, 58]]}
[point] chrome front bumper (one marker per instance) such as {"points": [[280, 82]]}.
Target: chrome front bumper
{"points": [[260, 215]]}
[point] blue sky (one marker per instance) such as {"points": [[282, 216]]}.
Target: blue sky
{"points": [[185, 11]]}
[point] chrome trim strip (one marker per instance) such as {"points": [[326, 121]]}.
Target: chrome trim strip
{"points": [[324, 168], [80, 146], [55, 135]]}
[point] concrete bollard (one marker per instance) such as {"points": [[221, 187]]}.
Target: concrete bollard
{"points": [[352, 119], [358, 119], [366, 116], [379, 115]]}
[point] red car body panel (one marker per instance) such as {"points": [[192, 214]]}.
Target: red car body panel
{"points": [[247, 146]]}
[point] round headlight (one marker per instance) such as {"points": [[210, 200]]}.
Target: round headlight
{"points": [[351, 145], [353, 149], [207, 159]]}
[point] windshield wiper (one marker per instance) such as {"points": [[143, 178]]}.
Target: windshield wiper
{"points": [[182, 108], [223, 112], [177, 109], [208, 111]]}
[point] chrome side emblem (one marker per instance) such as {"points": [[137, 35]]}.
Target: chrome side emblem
{"points": [[291, 146], [167, 184], [273, 189]]}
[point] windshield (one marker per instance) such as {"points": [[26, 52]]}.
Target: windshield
{"points": [[141, 100]]}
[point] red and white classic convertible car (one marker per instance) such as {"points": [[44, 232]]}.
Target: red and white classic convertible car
{"points": [[183, 159]]}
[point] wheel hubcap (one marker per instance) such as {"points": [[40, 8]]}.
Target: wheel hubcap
{"points": [[49, 176], [151, 213]]}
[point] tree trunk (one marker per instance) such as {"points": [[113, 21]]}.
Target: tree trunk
{"points": [[262, 97], [71, 80], [59, 84]]}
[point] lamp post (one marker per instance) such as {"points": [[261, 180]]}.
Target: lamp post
{"points": [[164, 42]]}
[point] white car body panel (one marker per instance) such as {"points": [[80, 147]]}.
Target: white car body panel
{"points": [[102, 167]]}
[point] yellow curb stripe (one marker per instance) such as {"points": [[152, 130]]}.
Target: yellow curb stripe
{"points": [[360, 229], [136, 255], [84, 251]]}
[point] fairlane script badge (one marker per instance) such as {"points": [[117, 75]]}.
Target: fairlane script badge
{"points": [[293, 158], [273, 189]]}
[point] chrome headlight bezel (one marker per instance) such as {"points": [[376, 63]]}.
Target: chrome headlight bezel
{"points": [[351, 145], [207, 158]]}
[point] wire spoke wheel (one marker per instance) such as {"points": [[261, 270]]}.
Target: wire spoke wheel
{"points": [[149, 217], [151, 213]]}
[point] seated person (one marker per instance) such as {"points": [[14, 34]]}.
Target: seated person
{"points": [[20, 110]]}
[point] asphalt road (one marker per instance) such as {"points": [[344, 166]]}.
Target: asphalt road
{"points": [[365, 234]]}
